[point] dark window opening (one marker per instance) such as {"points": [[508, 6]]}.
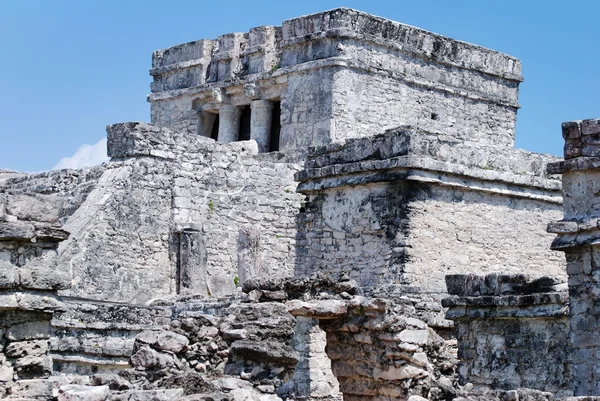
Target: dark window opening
{"points": [[275, 127], [214, 132], [244, 131]]}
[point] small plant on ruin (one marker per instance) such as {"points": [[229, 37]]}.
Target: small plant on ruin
{"points": [[236, 281], [211, 207]]}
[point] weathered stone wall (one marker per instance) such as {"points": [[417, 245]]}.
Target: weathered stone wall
{"points": [[408, 208], [22, 241], [48, 197], [177, 114], [512, 332], [340, 74], [306, 110], [27, 301], [97, 338], [212, 347], [578, 237], [393, 89], [162, 187], [379, 349]]}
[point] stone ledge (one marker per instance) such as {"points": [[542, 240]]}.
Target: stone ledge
{"points": [[33, 279], [30, 301], [280, 77], [132, 139], [575, 233], [345, 23], [470, 285], [27, 231], [535, 305], [178, 66], [182, 52], [565, 241], [421, 156], [579, 163], [505, 296], [405, 37]]}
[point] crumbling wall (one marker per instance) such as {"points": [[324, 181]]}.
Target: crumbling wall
{"points": [[379, 349], [578, 237], [126, 238], [313, 376], [241, 347], [512, 332], [48, 197], [98, 338], [28, 298], [306, 110]]}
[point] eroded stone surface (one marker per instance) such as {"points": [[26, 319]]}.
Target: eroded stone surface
{"points": [[409, 175]]}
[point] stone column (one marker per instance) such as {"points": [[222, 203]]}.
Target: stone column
{"points": [[260, 124], [192, 267], [249, 257], [579, 237], [229, 123], [313, 376]]}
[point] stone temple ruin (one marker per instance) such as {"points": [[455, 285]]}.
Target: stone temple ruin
{"points": [[328, 209]]}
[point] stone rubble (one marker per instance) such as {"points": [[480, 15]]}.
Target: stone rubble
{"points": [[302, 221]]}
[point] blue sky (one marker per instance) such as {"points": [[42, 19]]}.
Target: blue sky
{"points": [[69, 68]]}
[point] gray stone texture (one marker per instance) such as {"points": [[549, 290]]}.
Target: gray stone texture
{"points": [[390, 167], [512, 332], [160, 183], [577, 235], [340, 74], [378, 208]]}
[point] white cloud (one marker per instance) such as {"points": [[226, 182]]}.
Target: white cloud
{"points": [[86, 155]]}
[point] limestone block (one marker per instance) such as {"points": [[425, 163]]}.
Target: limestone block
{"points": [[43, 208], [44, 279], [163, 340], [44, 301], [16, 231], [318, 309], [33, 367], [9, 218], [273, 351], [5, 256], [35, 388], [399, 373], [235, 334], [113, 381], [19, 349], [248, 253], [8, 301], [231, 383], [9, 277], [590, 127], [6, 373], [146, 357], [74, 392], [192, 251], [29, 331]]}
